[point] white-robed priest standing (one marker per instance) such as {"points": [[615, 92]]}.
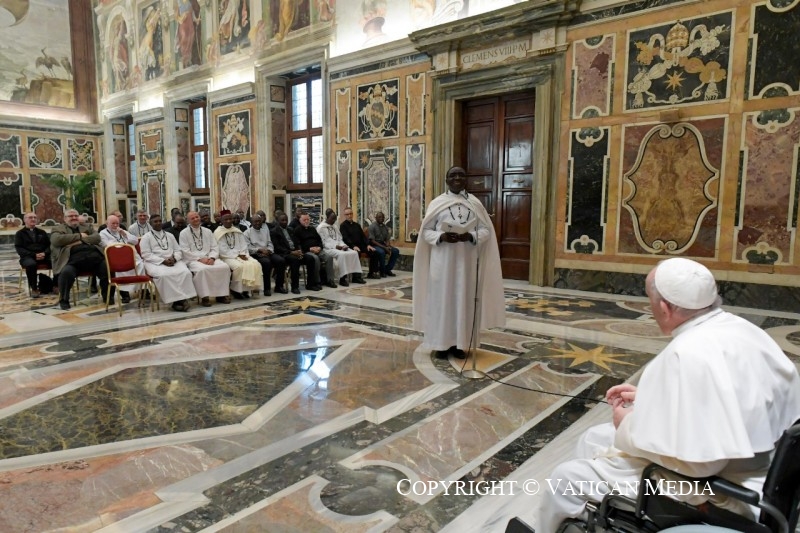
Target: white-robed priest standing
{"points": [[456, 256], [713, 402]]}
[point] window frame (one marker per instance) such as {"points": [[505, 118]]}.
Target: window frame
{"points": [[308, 134], [196, 148]]}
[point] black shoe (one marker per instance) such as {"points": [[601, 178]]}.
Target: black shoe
{"points": [[343, 281], [457, 353], [391, 274], [237, 295], [35, 293], [331, 284], [125, 296], [224, 299], [64, 304], [267, 292], [383, 275], [93, 290], [359, 279], [246, 295], [313, 287], [374, 275], [282, 290], [180, 306], [295, 290], [442, 354]]}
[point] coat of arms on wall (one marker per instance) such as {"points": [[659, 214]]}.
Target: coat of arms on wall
{"points": [[680, 63], [234, 133], [377, 110]]}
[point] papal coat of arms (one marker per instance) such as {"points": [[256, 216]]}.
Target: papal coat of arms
{"points": [[377, 110]]}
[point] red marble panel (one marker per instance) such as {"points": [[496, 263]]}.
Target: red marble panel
{"points": [[591, 65]]}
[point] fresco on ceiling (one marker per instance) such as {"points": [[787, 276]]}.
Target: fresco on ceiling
{"points": [[36, 70]]}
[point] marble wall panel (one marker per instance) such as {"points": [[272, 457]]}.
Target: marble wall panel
{"points": [[378, 107], [10, 150], [587, 188], [416, 103], [234, 133], [45, 153], [592, 68], [81, 154], [767, 210], [278, 117], [678, 63], [120, 165], [184, 153], [47, 200], [235, 183], [342, 116], [670, 188], [344, 166], [11, 204], [154, 191], [379, 174], [415, 182], [310, 203], [151, 147], [774, 48]]}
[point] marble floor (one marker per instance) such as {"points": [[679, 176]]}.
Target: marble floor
{"points": [[309, 413]]}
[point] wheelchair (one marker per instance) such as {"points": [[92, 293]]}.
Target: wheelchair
{"points": [[779, 504]]}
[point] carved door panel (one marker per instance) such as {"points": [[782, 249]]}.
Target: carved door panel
{"points": [[497, 143]]}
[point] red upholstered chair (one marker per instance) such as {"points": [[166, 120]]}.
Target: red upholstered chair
{"points": [[121, 257]]}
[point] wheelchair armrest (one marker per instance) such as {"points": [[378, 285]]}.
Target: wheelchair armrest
{"points": [[723, 486]]}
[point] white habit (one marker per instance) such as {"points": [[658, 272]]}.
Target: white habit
{"points": [[445, 274], [108, 237], [139, 230], [713, 402], [246, 272], [174, 283], [209, 280], [347, 261]]}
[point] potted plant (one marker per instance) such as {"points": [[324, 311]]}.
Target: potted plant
{"points": [[77, 191]]}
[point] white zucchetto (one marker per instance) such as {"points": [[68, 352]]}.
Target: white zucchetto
{"points": [[685, 283]]}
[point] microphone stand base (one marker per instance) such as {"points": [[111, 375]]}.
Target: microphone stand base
{"points": [[473, 374]]}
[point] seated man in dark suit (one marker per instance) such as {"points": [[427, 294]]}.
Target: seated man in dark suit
{"points": [[178, 225], [33, 246], [286, 247], [76, 249], [353, 236], [380, 236], [310, 242]]}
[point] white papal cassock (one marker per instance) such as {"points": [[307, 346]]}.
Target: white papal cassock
{"points": [[174, 283], [209, 280], [246, 273], [347, 261], [108, 237]]}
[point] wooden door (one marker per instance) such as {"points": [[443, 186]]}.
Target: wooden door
{"points": [[497, 148]]}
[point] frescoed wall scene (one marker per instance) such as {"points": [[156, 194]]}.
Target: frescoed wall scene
{"points": [[37, 70]]}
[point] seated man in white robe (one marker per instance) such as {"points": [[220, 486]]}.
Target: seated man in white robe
{"points": [[162, 262], [713, 402], [113, 234], [246, 273], [212, 277], [346, 260]]}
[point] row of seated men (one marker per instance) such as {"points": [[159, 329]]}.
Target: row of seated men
{"points": [[187, 262]]}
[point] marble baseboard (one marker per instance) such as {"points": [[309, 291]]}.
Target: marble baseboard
{"points": [[773, 297]]}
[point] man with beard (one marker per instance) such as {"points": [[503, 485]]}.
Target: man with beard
{"points": [[246, 273], [75, 249], [260, 246]]}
